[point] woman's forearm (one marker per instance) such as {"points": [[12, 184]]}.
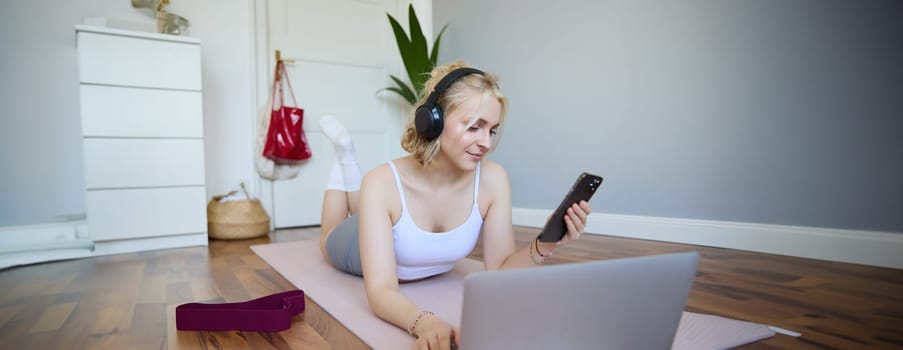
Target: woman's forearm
{"points": [[532, 255], [393, 307]]}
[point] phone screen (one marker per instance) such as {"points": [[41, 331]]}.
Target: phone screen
{"points": [[583, 189]]}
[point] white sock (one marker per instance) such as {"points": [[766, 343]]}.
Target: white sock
{"points": [[352, 176], [345, 157], [341, 139], [336, 177]]}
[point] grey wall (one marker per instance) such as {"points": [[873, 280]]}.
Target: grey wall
{"points": [[41, 173], [772, 111], [42, 177]]}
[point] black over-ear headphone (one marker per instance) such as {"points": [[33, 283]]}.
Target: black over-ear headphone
{"points": [[428, 118]]}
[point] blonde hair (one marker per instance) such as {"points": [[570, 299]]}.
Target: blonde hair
{"points": [[425, 151]]}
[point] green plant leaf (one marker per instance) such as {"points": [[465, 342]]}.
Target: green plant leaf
{"points": [[435, 54], [401, 38], [405, 91], [399, 92], [416, 56], [420, 61], [402, 89]]}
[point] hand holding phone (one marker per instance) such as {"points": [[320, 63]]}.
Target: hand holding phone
{"points": [[582, 190]]}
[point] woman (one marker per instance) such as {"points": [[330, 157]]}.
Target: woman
{"points": [[416, 216]]}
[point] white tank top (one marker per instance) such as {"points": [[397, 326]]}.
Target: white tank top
{"points": [[420, 254]]}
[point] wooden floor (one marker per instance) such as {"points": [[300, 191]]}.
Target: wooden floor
{"points": [[127, 301]]}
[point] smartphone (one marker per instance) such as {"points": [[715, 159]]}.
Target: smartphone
{"points": [[583, 189]]}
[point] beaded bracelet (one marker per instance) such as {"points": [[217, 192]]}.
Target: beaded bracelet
{"points": [[536, 245], [413, 323], [533, 258]]}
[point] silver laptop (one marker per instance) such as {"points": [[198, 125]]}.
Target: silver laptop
{"points": [[633, 303]]}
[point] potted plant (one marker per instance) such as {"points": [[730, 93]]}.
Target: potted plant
{"points": [[418, 60]]}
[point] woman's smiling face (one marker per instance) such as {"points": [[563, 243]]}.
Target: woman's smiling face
{"points": [[469, 130]]}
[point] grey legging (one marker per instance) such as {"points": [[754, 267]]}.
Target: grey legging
{"points": [[343, 248]]}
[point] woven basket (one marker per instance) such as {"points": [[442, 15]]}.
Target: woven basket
{"points": [[237, 219]]}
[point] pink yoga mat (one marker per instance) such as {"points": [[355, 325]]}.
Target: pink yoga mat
{"points": [[343, 296]]}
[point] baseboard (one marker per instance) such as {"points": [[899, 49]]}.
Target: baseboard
{"points": [[149, 243], [22, 245], [25, 258], [853, 246]]}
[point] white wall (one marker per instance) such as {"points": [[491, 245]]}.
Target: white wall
{"points": [[41, 175]]}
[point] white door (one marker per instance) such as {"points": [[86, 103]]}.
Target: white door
{"points": [[344, 51]]}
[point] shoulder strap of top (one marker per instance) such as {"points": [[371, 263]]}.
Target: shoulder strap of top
{"points": [[404, 206]]}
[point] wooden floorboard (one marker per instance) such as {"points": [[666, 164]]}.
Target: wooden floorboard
{"points": [[128, 300]]}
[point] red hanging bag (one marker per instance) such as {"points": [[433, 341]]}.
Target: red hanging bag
{"points": [[286, 142]]}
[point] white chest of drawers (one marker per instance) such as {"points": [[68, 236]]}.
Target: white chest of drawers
{"points": [[143, 138]]}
